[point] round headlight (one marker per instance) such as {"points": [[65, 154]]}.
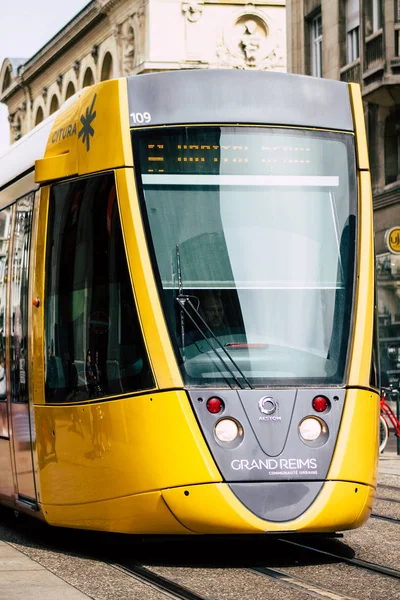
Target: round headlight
{"points": [[310, 429], [226, 430]]}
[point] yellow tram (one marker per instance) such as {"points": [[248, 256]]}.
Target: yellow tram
{"points": [[187, 308]]}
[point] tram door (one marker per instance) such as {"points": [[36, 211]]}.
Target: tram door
{"points": [[21, 421]]}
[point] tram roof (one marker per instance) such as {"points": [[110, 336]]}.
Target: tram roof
{"points": [[231, 96]]}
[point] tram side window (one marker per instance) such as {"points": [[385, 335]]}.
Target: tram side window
{"points": [[19, 299], [94, 344], [5, 234]]}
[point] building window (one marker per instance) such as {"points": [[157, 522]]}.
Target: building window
{"points": [[39, 116], [316, 46], [94, 344], [376, 15], [70, 90], [54, 105], [353, 45], [107, 68], [88, 78], [7, 79], [352, 30], [373, 16]]}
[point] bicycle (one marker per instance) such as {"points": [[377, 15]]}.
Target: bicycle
{"points": [[387, 414]]}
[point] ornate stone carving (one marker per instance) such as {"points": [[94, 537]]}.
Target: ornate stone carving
{"points": [[140, 14], [129, 48], [16, 130], [130, 43], [106, 6], [248, 44], [77, 67], [59, 81], [94, 53], [116, 31], [251, 41], [44, 93], [193, 10], [15, 126]]}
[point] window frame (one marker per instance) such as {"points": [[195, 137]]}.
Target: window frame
{"points": [[373, 17], [353, 44], [316, 45], [135, 136]]}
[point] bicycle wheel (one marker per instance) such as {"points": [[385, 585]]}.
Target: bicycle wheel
{"points": [[383, 433]]}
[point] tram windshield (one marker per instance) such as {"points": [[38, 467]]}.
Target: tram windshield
{"points": [[252, 232]]}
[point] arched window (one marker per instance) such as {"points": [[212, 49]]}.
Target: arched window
{"points": [[88, 79], [70, 90], [7, 79], [39, 116], [54, 105], [392, 140], [107, 68]]}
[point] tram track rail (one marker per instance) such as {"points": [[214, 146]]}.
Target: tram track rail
{"points": [[394, 500], [382, 489], [355, 562], [162, 584], [280, 576], [300, 584], [385, 518], [384, 486], [171, 589], [174, 590]]}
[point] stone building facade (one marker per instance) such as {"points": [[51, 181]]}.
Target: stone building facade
{"points": [[359, 40], [114, 38]]}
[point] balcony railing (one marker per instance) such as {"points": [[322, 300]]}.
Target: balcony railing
{"points": [[351, 73], [374, 50]]}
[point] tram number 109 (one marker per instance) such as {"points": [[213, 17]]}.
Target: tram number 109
{"points": [[138, 118]]}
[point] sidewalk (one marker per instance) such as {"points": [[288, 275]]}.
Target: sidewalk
{"points": [[21, 577], [389, 463]]}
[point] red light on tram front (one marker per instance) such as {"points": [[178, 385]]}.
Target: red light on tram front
{"points": [[320, 403], [214, 405]]}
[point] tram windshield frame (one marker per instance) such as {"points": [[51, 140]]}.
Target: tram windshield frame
{"points": [[252, 233]]}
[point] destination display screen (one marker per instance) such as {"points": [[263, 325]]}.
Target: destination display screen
{"points": [[225, 151]]}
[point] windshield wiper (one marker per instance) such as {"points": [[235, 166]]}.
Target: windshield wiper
{"points": [[184, 300]]}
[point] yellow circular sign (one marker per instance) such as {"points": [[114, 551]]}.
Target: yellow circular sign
{"points": [[392, 238]]}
